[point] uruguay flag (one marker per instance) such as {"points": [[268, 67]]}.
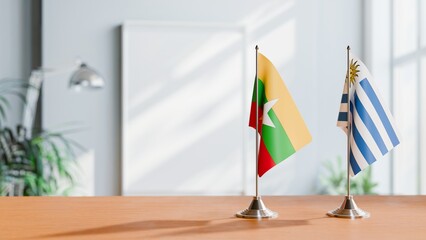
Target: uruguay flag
{"points": [[373, 132]]}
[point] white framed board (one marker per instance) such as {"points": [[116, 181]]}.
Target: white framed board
{"points": [[183, 108]]}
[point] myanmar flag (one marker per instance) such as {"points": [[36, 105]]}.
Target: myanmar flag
{"points": [[281, 127]]}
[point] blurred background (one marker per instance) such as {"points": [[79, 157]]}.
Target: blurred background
{"points": [[171, 114]]}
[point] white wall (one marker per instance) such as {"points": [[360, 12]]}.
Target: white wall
{"points": [[305, 39], [15, 47]]}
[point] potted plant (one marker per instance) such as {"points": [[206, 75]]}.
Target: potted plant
{"points": [[334, 180], [33, 165]]}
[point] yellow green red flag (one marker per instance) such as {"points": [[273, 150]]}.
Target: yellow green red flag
{"points": [[281, 127]]}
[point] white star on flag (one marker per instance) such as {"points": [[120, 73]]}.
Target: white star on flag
{"points": [[266, 108]]}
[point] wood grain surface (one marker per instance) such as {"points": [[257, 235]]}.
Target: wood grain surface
{"points": [[300, 217]]}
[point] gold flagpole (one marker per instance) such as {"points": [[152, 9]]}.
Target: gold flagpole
{"points": [[257, 208], [348, 209]]}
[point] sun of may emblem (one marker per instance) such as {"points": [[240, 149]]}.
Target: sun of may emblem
{"points": [[353, 70]]}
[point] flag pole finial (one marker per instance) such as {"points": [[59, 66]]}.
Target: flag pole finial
{"points": [[257, 47], [348, 48]]}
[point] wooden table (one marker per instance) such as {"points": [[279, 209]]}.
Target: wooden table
{"points": [[207, 218]]}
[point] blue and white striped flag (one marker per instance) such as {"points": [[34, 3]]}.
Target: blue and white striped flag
{"points": [[373, 132]]}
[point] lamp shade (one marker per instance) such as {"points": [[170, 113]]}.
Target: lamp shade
{"points": [[86, 77]]}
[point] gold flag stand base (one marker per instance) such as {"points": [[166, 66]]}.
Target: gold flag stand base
{"points": [[257, 209], [349, 209]]}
